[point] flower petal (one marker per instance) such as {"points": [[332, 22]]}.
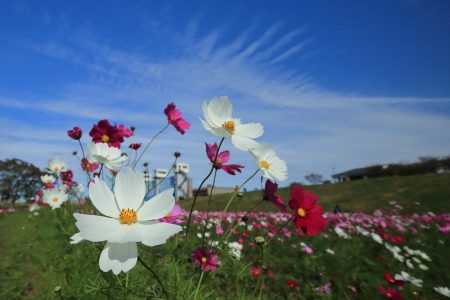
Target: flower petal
{"points": [[129, 189], [250, 130], [243, 143], [96, 228], [157, 207], [103, 199], [153, 234], [118, 257]]}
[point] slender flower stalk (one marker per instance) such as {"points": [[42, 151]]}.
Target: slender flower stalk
{"points": [[154, 275], [209, 207], [199, 284], [201, 184], [236, 192], [149, 143], [165, 177]]}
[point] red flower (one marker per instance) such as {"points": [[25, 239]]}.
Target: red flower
{"points": [[390, 293], [87, 166], [391, 279], [205, 258], [307, 214], [104, 132], [269, 194], [67, 177], [135, 146], [75, 133], [256, 271], [222, 158], [174, 117], [291, 283]]}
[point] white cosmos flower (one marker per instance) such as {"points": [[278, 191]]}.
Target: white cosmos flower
{"points": [[33, 207], [56, 165], [235, 249], [271, 165], [55, 197], [128, 220], [110, 157], [219, 122], [404, 276], [444, 291], [47, 178]]}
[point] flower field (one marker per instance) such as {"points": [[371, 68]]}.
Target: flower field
{"points": [[351, 259], [117, 239]]}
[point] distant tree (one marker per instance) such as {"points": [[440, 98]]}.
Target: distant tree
{"points": [[18, 180], [314, 178]]}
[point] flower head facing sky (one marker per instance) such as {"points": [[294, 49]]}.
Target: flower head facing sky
{"points": [[56, 165], [270, 164], [221, 159], [126, 221], [54, 197], [219, 122], [174, 118], [308, 215]]}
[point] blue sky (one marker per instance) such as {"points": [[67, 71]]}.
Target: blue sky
{"points": [[337, 84]]}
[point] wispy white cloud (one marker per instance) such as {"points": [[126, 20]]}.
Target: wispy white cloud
{"points": [[312, 127]]}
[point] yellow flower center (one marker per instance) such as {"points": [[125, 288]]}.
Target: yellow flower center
{"points": [[229, 126], [168, 215], [127, 216], [264, 164], [105, 138], [204, 260], [301, 212], [55, 169], [55, 199]]}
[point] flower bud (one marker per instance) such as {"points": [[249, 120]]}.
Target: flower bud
{"points": [[260, 241], [177, 154], [132, 128], [75, 133], [74, 153], [244, 218]]}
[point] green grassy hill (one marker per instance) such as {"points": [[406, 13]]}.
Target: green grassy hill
{"points": [[432, 191]]}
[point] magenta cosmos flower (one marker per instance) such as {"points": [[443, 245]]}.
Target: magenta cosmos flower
{"points": [[221, 160], [104, 132], [173, 216], [174, 117], [205, 258], [308, 215], [269, 194], [75, 133]]}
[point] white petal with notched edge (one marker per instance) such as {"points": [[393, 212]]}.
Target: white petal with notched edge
{"points": [[129, 189], [157, 207], [118, 257], [102, 198]]}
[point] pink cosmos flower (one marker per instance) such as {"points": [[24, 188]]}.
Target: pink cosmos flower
{"points": [[124, 132], [75, 133], [205, 258], [222, 158], [174, 117], [324, 289], [308, 215], [269, 194], [307, 249], [291, 283], [173, 216], [67, 177], [256, 271]]}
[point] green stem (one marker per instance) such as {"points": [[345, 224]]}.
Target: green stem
{"points": [[154, 275], [149, 143], [201, 184], [198, 285], [209, 207], [236, 192]]}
